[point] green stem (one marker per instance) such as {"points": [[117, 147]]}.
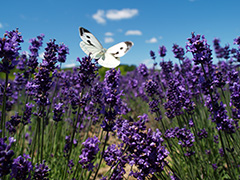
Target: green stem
{"points": [[3, 119], [225, 155], [104, 146], [38, 137], [42, 144], [72, 138], [34, 142]]}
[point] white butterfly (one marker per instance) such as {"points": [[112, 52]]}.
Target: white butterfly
{"points": [[109, 58]]}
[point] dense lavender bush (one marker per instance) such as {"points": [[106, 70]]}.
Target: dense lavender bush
{"points": [[170, 121]]}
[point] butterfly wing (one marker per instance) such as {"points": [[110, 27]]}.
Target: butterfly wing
{"points": [[108, 58], [120, 49], [90, 44], [109, 61], [89, 38], [89, 49]]}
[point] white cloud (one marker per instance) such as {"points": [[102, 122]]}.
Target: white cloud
{"points": [[1, 26], [120, 30], [133, 32], [148, 63], [41, 55], [108, 34], [114, 14], [108, 39], [69, 65], [99, 16], [152, 40]]}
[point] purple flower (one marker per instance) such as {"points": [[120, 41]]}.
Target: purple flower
{"points": [[202, 134], [237, 41], [143, 70], [89, 153], [218, 49], [221, 52], [173, 176], [226, 52], [162, 51], [42, 83], [178, 52], [218, 79], [86, 71], [116, 159], [36, 43], [68, 145], [184, 136], [152, 87], [200, 50], [70, 165], [208, 151], [235, 96], [62, 53], [27, 113], [13, 123], [58, 112], [41, 171], [221, 152], [167, 69], [145, 147], [152, 54], [21, 168], [150, 154], [220, 117], [9, 47], [5, 156], [236, 54], [216, 139], [50, 56], [214, 166], [20, 81], [22, 61], [178, 99], [191, 123], [113, 105]]}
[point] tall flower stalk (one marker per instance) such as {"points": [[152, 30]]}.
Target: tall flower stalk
{"points": [[9, 51]]}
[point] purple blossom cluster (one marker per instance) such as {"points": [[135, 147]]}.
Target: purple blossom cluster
{"points": [[145, 149], [68, 145], [162, 51], [32, 61], [115, 158], [57, 110], [41, 171], [184, 136], [178, 52], [112, 102], [6, 155], [200, 49], [9, 50], [13, 123], [22, 167], [89, 152]]}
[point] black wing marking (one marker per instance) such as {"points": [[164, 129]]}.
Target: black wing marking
{"points": [[89, 38]]}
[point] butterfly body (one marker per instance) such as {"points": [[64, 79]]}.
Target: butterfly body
{"points": [[109, 58]]}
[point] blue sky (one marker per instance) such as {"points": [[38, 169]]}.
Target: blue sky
{"points": [[149, 24]]}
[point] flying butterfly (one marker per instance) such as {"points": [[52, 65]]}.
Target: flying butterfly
{"points": [[110, 57]]}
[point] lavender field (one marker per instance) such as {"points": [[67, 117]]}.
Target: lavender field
{"points": [[171, 121]]}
